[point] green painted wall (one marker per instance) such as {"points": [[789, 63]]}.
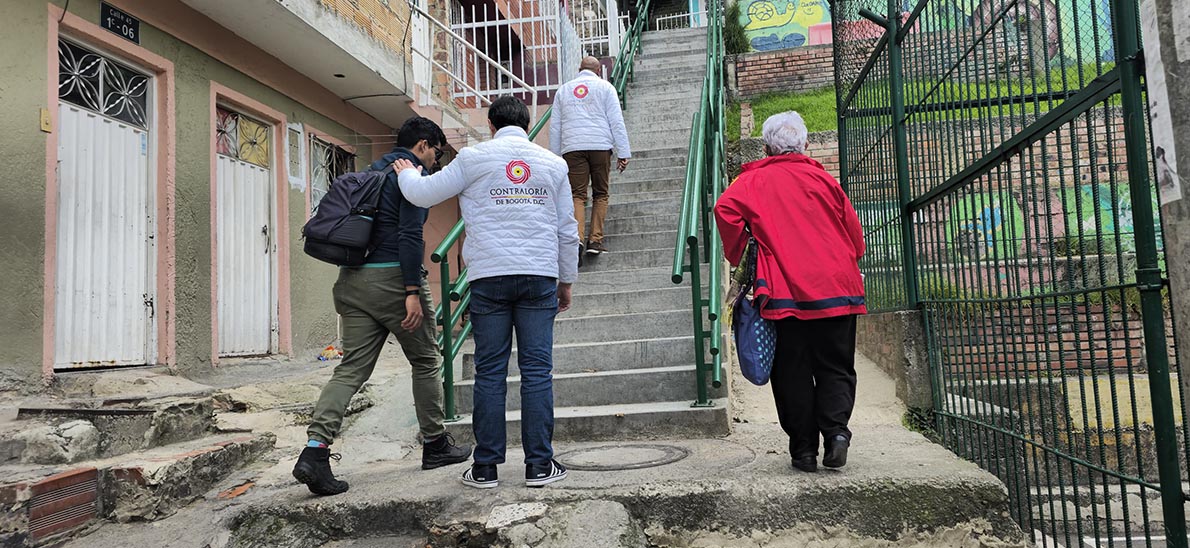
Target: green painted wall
{"points": [[23, 89]]}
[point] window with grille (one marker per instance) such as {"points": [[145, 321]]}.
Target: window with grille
{"points": [[327, 162]]}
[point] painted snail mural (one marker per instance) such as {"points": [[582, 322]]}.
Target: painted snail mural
{"points": [[781, 24]]}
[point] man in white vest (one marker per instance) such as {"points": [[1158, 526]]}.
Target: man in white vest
{"points": [[586, 126], [522, 257]]}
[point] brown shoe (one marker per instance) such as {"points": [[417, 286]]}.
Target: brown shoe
{"points": [[596, 248]]}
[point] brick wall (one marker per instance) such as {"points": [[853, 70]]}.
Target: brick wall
{"points": [[793, 70], [384, 22]]}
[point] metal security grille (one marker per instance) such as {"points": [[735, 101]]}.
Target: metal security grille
{"points": [[997, 154]]}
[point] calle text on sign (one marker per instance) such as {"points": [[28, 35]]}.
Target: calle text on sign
{"points": [[119, 22]]}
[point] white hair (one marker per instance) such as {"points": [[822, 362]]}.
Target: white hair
{"points": [[785, 132]]}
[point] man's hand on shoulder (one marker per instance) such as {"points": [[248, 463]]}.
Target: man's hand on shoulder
{"points": [[402, 164]]}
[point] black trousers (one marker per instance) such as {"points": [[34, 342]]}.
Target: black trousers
{"points": [[814, 380]]}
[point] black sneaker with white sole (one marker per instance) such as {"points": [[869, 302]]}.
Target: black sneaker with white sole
{"points": [[481, 476], [540, 475]]}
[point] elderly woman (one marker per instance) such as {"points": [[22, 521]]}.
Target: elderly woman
{"points": [[809, 242]]}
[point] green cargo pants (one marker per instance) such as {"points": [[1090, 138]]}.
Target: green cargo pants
{"points": [[371, 303]]}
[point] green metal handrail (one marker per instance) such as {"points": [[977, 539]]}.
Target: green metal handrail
{"points": [[698, 237], [458, 290]]}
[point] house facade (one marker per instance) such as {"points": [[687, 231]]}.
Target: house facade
{"points": [[164, 155]]}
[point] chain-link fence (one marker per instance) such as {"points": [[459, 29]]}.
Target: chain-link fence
{"points": [[997, 154]]}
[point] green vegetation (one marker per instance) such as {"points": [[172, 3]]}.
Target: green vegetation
{"points": [[816, 107], [735, 41], [921, 421]]}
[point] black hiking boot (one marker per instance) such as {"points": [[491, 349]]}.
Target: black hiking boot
{"points": [[443, 452], [808, 464], [313, 468], [836, 451]]}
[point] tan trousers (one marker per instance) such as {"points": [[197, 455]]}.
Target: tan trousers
{"points": [[591, 167]]}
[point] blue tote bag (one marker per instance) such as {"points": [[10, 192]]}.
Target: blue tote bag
{"points": [[755, 337]]}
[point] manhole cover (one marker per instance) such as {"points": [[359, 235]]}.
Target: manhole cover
{"points": [[606, 458]]}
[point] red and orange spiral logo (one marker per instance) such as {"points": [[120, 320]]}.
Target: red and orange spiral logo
{"points": [[581, 91], [517, 171]]}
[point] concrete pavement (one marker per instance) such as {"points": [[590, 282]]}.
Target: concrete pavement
{"points": [[899, 489]]}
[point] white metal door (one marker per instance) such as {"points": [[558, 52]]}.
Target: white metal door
{"points": [[105, 257], [246, 299]]}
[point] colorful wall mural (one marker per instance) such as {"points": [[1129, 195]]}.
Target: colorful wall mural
{"points": [[781, 24], [986, 225]]}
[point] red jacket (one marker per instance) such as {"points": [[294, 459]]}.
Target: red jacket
{"points": [[808, 235]]}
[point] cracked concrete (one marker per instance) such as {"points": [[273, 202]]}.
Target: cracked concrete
{"points": [[66, 443], [898, 491]]}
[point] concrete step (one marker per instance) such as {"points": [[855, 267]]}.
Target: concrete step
{"points": [[675, 34], [641, 240], [659, 48], [637, 209], [624, 387], [668, 118], [106, 428], [678, 135], [897, 489], [675, 92], [651, 151], [669, 130], [641, 279], [642, 223], [139, 486], [675, 182], [629, 301], [606, 356], [638, 163], [648, 170], [696, 60], [642, 421], [627, 259], [652, 117], [676, 99], [623, 327], [652, 75], [633, 197]]}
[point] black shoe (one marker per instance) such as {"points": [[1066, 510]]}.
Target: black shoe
{"points": [[806, 464], [313, 468], [596, 248], [836, 451], [540, 475], [481, 476], [443, 452], [582, 251]]}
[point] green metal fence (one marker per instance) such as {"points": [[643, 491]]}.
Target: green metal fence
{"points": [[997, 154], [451, 318], [698, 240]]}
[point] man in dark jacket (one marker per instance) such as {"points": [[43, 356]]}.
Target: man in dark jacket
{"points": [[386, 295]]}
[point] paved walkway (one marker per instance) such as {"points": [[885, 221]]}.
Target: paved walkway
{"points": [[898, 485]]}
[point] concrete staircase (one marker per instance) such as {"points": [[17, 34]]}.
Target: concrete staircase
{"points": [[624, 353]]}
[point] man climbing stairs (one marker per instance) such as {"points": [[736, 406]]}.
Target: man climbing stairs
{"points": [[624, 353]]}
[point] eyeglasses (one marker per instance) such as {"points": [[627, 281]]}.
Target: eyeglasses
{"points": [[438, 152]]}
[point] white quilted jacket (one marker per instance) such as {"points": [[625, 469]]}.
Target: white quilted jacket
{"points": [[516, 203], [587, 116]]}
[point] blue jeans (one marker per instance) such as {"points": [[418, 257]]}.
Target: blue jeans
{"points": [[500, 305]]}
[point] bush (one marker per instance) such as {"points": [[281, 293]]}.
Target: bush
{"points": [[735, 41]]}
